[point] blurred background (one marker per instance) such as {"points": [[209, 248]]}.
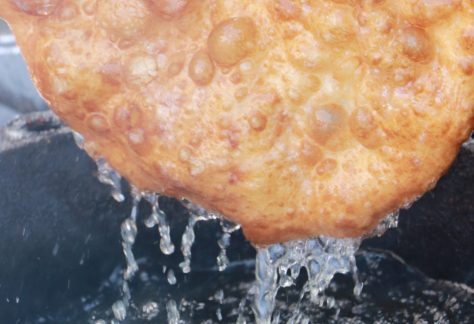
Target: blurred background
{"points": [[17, 93]]}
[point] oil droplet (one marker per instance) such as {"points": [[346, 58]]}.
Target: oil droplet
{"points": [[107, 175], [129, 233], [158, 217], [222, 259], [219, 297], [171, 277], [172, 312], [150, 310], [187, 241], [119, 310], [321, 257]]}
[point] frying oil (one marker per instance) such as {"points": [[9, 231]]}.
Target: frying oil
{"points": [[278, 266]]}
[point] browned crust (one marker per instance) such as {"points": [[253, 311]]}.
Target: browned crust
{"points": [[292, 122]]}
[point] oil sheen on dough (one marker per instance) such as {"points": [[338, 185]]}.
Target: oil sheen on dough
{"points": [[294, 118]]}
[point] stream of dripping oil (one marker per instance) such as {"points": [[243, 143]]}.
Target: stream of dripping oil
{"points": [[277, 266]]}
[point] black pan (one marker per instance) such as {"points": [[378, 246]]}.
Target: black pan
{"points": [[61, 252]]}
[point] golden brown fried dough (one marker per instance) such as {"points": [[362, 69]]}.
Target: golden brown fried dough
{"points": [[294, 118]]}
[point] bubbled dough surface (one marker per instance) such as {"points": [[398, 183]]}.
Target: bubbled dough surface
{"points": [[294, 118]]}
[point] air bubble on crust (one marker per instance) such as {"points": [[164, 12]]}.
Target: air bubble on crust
{"points": [[467, 39], [196, 169], [184, 154], [89, 6], [68, 11], [305, 52], [170, 8], [417, 44], [326, 167], [122, 19], [258, 121], [328, 124], [136, 136], [365, 129], [142, 70], [37, 7], [232, 40], [98, 122], [287, 9], [201, 69]]}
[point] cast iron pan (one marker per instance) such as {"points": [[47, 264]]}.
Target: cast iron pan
{"points": [[60, 228]]}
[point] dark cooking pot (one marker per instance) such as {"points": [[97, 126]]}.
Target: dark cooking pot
{"points": [[60, 247]]}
